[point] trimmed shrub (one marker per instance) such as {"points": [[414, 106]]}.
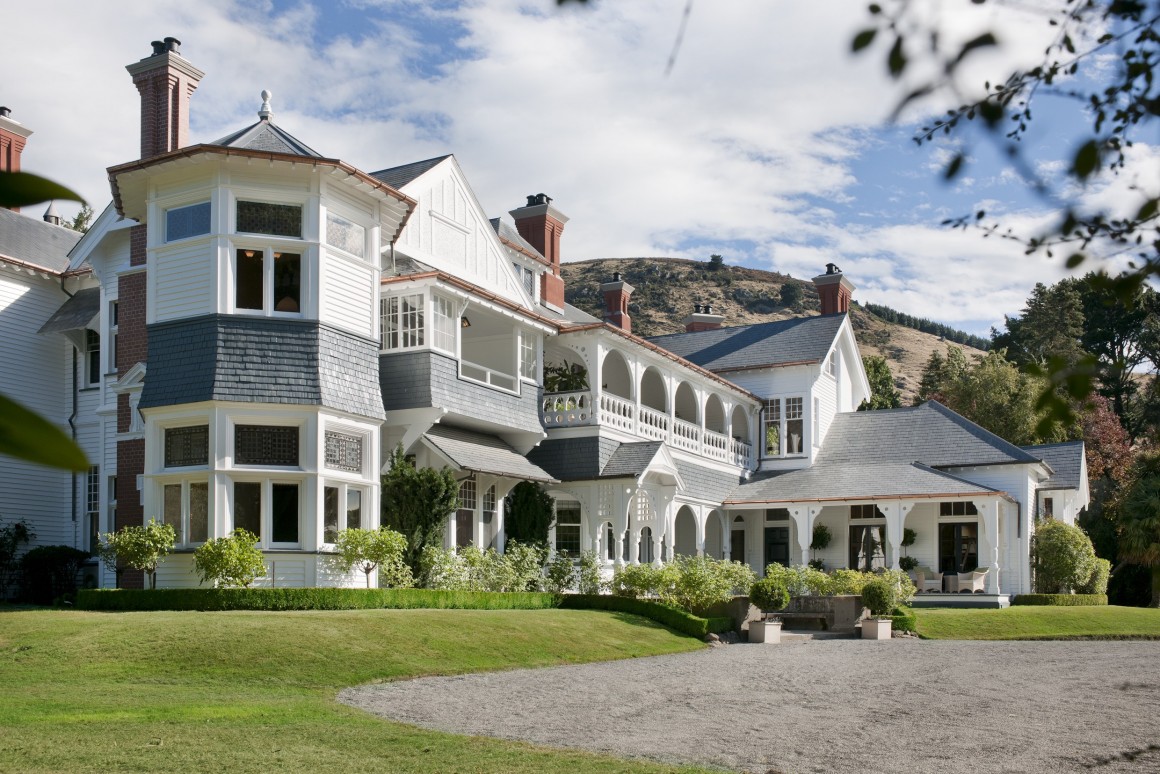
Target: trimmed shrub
{"points": [[696, 583], [679, 620], [1098, 582], [800, 580], [902, 583], [233, 560], [1062, 556], [561, 574], [821, 537], [880, 596], [1060, 600], [50, 572], [636, 580], [843, 581], [588, 574], [903, 620], [138, 547], [769, 594], [907, 563]]}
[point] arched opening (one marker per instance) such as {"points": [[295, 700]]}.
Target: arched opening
{"points": [[685, 404], [715, 536], [685, 529], [645, 554], [714, 415], [608, 542], [615, 376], [739, 425], [652, 390]]}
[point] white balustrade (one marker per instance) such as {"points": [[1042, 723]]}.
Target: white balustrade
{"points": [[654, 424], [716, 445], [686, 435], [567, 409], [488, 376], [742, 453], [615, 412]]}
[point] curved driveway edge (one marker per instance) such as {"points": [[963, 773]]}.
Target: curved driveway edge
{"points": [[822, 706]]}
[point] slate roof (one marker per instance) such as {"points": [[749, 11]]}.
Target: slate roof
{"points": [[1065, 459], [853, 482], [931, 434], [484, 454], [31, 240], [397, 177], [267, 136], [781, 342], [631, 459], [574, 459], [75, 313]]}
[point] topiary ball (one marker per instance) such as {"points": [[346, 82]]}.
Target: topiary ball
{"points": [[880, 596], [769, 594]]}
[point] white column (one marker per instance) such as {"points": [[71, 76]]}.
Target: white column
{"points": [[989, 550], [726, 534], [656, 545], [618, 560], [804, 526], [894, 516], [449, 542], [700, 523]]}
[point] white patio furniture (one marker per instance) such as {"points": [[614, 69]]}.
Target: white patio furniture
{"points": [[927, 580], [970, 581]]}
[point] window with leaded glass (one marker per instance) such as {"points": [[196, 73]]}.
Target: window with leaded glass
{"points": [[186, 446], [265, 445], [185, 507], [345, 235], [343, 451], [268, 218], [445, 321], [198, 512]]}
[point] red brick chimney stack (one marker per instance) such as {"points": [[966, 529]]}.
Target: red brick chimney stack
{"points": [[616, 295], [12, 138], [541, 225], [165, 80], [703, 319], [834, 290]]}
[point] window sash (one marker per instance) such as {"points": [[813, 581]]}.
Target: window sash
{"points": [[187, 221], [529, 363], [443, 324], [403, 324]]}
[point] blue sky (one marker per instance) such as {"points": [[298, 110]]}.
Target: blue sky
{"points": [[767, 142]]}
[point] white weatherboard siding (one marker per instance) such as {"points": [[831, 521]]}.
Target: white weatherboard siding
{"points": [[349, 295], [182, 279], [825, 390], [1015, 480]]}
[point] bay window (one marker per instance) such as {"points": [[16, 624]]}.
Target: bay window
{"points": [[402, 321], [267, 278], [185, 507], [268, 509], [445, 321], [342, 508]]}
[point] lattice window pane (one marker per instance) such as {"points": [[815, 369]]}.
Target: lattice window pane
{"points": [[265, 445], [344, 451], [267, 218], [186, 446], [345, 235]]}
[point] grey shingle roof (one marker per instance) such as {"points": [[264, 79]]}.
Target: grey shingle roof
{"points": [[75, 313], [573, 459], [802, 339], [1064, 458], [931, 434], [31, 240], [397, 177], [266, 136], [852, 482], [484, 454], [631, 459]]}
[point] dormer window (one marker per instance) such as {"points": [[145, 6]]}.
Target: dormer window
{"points": [[783, 424]]}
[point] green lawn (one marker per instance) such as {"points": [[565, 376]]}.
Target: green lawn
{"points": [[254, 692], [1040, 623]]}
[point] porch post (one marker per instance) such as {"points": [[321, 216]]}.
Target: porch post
{"points": [[656, 542], [701, 522], [803, 524], [618, 558], [989, 511], [450, 540], [726, 534], [893, 513]]}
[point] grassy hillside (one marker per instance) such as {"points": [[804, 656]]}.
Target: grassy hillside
{"points": [[255, 692], [667, 289]]}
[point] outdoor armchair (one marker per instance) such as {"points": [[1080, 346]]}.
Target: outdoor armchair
{"points": [[927, 580], [970, 581]]}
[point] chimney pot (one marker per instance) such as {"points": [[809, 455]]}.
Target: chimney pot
{"points": [[696, 308], [531, 200], [173, 45], [4, 112], [834, 290], [158, 48]]}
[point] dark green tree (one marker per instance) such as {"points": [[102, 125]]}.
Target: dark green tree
{"points": [[940, 373], [883, 395], [791, 295], [1051, 325], [716, 262], [528, 513], [417, 502], [1138, 521]]}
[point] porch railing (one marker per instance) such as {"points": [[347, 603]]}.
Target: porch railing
{"points": [[567, 409], [686, 435], [716, 445], [742, 452], [488, 376], [616, 412], [654, 424]]}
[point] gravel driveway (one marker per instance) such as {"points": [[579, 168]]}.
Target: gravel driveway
{"points": [[822, 706]]}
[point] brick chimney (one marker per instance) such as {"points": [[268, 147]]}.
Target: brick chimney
{"points": [[703, 319], [541, 225], [12, 138], [834, 290], [616, 295], [165, 80]]}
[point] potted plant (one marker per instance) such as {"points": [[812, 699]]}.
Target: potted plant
{"points": [[770, 595], [822, 538], [881, 597]]}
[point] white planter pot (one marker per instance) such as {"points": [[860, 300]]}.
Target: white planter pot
{"points": [[767, 632], [876, 629]]}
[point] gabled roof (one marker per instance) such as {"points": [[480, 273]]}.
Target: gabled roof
{"points": [[396, 177], [1065, 460], [777, 343], [854, 482], [631, 459], [931, 434], [267, 136], [483, 453], [33, 242], [76, 313]]}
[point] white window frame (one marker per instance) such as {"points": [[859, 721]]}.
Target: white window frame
{"points": [[393, 317], [344, 488], [782, 422], [183, 529], [339, 249], [571, 505], [445, 323], [266, 422], [265, 508], [832, 364], [114, 324], [174, 208], [529, 352], [93, 359], [270, 253]]}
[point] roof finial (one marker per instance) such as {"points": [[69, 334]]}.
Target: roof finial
{"points": [[266, 113]]}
